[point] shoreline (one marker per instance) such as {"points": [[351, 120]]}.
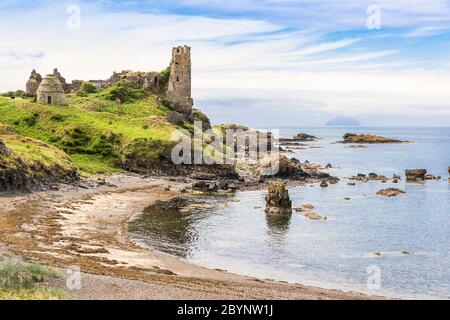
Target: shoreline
{"points": [[87, 228]]}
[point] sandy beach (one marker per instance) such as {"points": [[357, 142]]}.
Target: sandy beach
{"points": [[85, 226]]}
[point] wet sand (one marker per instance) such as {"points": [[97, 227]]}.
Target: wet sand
{"points": [[86, 227]]}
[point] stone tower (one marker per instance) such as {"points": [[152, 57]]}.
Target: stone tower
{"points": [[50, 91], [179, 89]]}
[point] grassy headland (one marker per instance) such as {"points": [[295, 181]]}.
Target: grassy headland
{"points": [[102, 131]]}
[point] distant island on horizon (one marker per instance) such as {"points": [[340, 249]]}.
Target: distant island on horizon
{"points": [[343, 121]]}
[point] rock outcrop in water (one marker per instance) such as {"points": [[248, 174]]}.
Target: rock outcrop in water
{"points": [[371, 177], [391, 192], [415, 174], [369, 139], [292, 169], [278, 200], [301, 137], [307, 211]]}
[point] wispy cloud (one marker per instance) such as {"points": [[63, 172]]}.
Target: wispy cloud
{"points": [[428, 31], [299, 60]]}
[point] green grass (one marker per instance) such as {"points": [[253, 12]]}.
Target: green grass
{"points": [[99, 134], [42, 293], [15, 275], [32, 152], [23, 281], [91, 164]]}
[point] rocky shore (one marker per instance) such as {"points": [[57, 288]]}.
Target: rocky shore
{"points": [[86, 227]]}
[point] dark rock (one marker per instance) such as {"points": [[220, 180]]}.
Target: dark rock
{"points": [[4, 150], [304, 137], [278, 200], [324, 184], [174, 203], [205, 186], [415, 174], [175, 118], [203, 176], [431, 177], [292, 169], [370, 177], [197, 115]]}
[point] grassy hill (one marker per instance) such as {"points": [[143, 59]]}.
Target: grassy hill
{"points": [[103, 132], [27, 164]]}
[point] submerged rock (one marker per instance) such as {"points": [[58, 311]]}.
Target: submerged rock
{"points": [[305, 207], [370, 177], [391, 192], [306, 210], [278, 200]]}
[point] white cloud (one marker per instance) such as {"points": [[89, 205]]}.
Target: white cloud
{"points": [[427, 31], [275, 73]]}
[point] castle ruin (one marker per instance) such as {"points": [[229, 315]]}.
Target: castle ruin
{"points": [[178, 92]]}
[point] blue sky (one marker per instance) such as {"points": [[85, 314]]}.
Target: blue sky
{"points": [[261, 62]]}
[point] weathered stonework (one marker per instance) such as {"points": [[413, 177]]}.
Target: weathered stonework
{"points": [[145, 80], [66, 87], [33, 83], [51, 91], [179, 91], [76, 85]]}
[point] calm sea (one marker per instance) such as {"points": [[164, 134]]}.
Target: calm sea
{"points": [[337, 253]]}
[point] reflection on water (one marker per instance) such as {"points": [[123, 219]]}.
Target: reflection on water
{"points": [[334, 253], [277, 227], [171, 231]]}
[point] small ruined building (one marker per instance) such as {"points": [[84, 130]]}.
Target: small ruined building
{"points": [[51, 91]]}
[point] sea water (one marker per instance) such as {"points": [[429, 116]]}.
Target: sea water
{"points": [[235, 234]]}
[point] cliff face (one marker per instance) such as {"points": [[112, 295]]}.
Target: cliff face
{"points": [[27, 165]]}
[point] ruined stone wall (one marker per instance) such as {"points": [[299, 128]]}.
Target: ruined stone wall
{"points": [[33, 83], [179, 89], [66, 87], [142, 80]]}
